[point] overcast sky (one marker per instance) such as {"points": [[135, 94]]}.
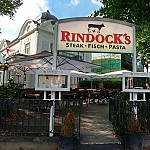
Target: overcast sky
{"points": [[33, 8]]}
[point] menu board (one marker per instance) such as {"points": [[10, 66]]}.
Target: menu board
{"points": [[136, 82], [54, 80], [50, 81]]}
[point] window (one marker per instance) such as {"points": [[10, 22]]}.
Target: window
{"points": [[45, 45], [27, 48], [28, 28], [0, 78], [51, 46]]}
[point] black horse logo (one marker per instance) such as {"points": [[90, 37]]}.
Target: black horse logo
{"points": [[95, 27]]}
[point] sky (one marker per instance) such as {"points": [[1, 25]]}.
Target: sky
{"points": [[33, 8]]}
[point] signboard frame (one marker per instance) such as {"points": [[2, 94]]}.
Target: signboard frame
{"points": [[134, 86], [52, 80], [95, 35]]}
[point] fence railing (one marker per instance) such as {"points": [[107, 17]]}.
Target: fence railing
{"points": [[120, 110], [32, 116]]}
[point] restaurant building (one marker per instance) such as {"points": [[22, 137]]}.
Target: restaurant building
{"points": [[34, 37]]}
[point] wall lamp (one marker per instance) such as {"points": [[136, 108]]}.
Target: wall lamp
{"points": [[144, 62], [18, 75], [4, 66]]}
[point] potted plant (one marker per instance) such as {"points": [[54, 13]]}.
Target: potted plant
{"points": [[67, 134], [133, 125], [133, 138]]}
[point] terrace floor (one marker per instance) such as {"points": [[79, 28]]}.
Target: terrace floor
{"points": [[95, 125]]}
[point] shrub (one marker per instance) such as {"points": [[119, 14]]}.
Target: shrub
{"points": [[68, 126]]}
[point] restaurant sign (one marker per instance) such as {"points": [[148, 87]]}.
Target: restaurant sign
{"points": [[95, 35]]}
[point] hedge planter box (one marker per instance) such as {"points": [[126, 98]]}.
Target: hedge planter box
{"points": [[133, 141], [68, 143], [146, 142]]}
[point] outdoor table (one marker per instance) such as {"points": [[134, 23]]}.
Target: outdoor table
{"points": [[68, 98], [33, 95], [69, 95]]}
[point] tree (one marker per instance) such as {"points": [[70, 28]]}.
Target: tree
{"points": [[8, 7], [133, 11]]}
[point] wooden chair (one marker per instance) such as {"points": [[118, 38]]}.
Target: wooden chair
{"points": [[85, 96]]}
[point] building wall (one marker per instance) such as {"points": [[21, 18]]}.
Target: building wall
{"points": [[45, 41]]}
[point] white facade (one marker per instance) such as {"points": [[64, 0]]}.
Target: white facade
{"points": [[32, 39], [35, 36]]}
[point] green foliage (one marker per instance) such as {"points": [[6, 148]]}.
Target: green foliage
{"points": [[5, 109], [25, 148], [112, 84], [123, 117], [120, 109], [144, 116], [132, 11], [108, 84], [120, 96], [11, 90], [143, 40], [8, 7], [133, 125]]}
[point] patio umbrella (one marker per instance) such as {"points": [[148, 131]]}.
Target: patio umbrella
{"points": [[44, 60], [115, 74]]}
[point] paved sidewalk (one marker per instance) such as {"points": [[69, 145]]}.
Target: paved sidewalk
{"points": [[95, 125]]}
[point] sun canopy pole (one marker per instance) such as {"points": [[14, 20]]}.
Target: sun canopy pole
{"points": [[134, 70], [54, 67]]}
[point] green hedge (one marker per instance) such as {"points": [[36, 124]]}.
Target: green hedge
{"points": [[108, 84]]}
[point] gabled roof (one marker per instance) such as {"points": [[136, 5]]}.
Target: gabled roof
{"points": [[24, 27]]}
